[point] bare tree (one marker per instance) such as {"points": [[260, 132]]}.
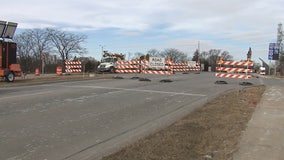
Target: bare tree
{"points": [[31, 44], [24, 51], [41, 42], [210, 58], [176, 55], [214, 55], [153, 52], [137, 55], [196, 56], [226, 56], [24, 44], [67, 44]]}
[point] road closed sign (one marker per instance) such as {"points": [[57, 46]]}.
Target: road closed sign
{"points": [[192, 63], [157, 62]]}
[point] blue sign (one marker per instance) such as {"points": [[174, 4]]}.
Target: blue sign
{"points": [[273, 53]]}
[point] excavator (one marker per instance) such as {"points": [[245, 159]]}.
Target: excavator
{"points": [[9, 69]]}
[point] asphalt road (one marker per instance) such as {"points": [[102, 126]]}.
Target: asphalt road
{"points": [[88, 119]]}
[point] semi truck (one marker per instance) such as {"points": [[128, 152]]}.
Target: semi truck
{"points": [[9, 69], [108, 61]]}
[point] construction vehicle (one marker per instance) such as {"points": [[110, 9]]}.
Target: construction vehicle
{"points": [[108, 61], [9, 69]]}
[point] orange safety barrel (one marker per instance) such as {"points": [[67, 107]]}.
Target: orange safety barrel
{"points": [[59, 71], [37, 72]]}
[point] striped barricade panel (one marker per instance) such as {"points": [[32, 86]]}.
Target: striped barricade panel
{"points": [[142, 67], [73, 66], [185, 67], [235, 63], [237, 76], [239, 70], [127, 67], [156, 72]]}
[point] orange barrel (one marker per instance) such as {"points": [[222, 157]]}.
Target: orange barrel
{"points": [[37, 72], [59, 70]]}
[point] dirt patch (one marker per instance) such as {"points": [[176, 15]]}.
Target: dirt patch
{"points": [[210, 132]]}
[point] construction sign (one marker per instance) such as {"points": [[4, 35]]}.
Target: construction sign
{"points": [[157, 62]]}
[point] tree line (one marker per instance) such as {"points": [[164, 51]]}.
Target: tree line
{"points": [[35, 45]]}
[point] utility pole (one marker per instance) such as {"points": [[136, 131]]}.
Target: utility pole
{"points": [[198, 60], [102, 46], [43, 57], [280, 61], [198, 48]]}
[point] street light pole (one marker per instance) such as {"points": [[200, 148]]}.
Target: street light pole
{"points": [[102, 46]]}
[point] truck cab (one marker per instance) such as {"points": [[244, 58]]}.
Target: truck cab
{"points": [[108, 62], [262, 70]]}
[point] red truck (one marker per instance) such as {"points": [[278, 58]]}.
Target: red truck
{"points": [[9, 69]]}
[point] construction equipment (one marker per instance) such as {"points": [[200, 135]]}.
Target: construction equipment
{"points": [[108, 61], [9, 69]]}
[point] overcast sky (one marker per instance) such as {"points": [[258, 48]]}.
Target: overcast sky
{"points": [[139, 25]]}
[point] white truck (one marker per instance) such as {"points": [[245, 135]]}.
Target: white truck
{"points": [[108, 61], [262, 70]]}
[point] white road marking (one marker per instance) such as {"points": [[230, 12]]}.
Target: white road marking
{"points": [[141, 90], [24, 95]]}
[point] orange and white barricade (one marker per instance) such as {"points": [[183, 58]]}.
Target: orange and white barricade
{"points": [[73, 66], [234, 69], [185, 67], [127, 67], [147, 69], [142, 67]]}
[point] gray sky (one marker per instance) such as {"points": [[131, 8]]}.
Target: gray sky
{"points": [[137, 26]]}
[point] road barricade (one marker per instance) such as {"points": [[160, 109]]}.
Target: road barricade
{"points": [[73, 66], [37, 72], [59, 71], [186, 67], [142, 67], [147, 69], [127, 67], [234, 69]]}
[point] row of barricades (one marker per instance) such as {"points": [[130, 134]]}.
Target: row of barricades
{"points": [[70, 67], [58, 71], [144, 67]]}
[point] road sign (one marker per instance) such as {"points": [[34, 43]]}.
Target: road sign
{"points": [[273, 53], [157, 62], [192, 63]]}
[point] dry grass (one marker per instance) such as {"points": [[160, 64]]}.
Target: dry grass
{"points": [[210, 132]]}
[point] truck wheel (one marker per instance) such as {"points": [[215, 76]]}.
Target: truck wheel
{"points": [[112, 70], [10, 77]]}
